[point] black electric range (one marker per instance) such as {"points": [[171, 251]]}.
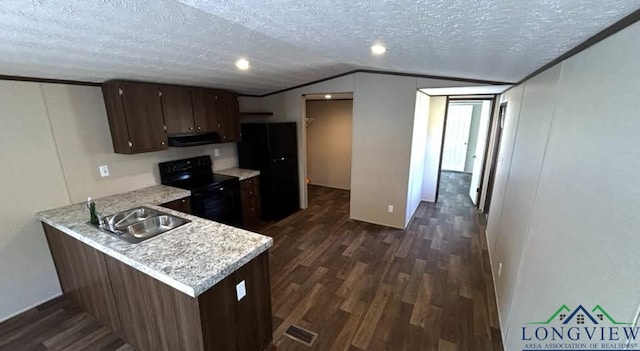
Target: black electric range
{"points": [[213, 196]]}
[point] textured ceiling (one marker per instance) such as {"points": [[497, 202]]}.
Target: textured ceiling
{"points": [[291, 42]]}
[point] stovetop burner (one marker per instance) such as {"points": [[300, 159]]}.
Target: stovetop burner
{"points": [[191, 174]]}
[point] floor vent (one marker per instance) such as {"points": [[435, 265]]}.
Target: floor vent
{"points": [[301, 335]]}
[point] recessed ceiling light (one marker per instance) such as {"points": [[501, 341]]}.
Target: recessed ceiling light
{"points": [[242, 64], [328, 96], [378, 49]]}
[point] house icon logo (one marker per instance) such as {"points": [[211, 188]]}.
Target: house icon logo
{"points": [[580, 316], [580, 329]]}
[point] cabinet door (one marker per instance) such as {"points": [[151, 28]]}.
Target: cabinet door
{"points": [[254, 310], [218, 317], [181, 205], [84, 276], [250, 199], [229, 117], [205, 110], [143, 111], [177, 109], [117, 118]]}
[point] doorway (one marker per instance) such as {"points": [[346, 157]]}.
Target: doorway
{"points": [[465, 133], [328, 128], [502, 112]]}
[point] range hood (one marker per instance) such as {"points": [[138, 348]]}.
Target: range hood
{"points": [[194, 139]]}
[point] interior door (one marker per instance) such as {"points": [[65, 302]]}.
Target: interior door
{"points": [[456, 137], [502, 114], [478, 155]]}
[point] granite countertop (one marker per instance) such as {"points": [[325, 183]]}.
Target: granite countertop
{"points": [[239, 172], [191, 258]]}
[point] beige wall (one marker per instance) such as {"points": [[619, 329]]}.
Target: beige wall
{"points": [[418, 152], [565, 226], [81, 130], [383, 115], [383, 118], [54, 137], [329, 143], [437, 109], [510, 216], [31, 180]]}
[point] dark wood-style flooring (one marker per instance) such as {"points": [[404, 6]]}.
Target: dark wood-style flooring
{"points": [[359, 286]]}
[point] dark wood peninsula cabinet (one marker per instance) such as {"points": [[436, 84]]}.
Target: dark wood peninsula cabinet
{"points": [[143, 115], [153, 316]]}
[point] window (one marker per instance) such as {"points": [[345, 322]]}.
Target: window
{"points": [[581, 319]]}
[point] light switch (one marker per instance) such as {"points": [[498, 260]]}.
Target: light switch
{"points": [[216, 152], [104, 170], [241, 290], [390, 209]]}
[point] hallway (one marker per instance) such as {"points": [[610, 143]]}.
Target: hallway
{"points": [[366, 287]]}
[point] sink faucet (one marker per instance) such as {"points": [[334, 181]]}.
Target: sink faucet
{"points": [[107, 222]]}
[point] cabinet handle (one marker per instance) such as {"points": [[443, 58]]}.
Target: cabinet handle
{"points": [[190, 128], [162, 143], [130, 143], [198, 127], [183, 201]]}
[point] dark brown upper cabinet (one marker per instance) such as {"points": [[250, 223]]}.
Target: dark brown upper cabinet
{"points": [[142, 115], [135, 117], [177, 108], [206, 109], [228, 117]]}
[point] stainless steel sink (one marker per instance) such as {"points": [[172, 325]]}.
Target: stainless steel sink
{"points": [[126, 218], [138, 224], [154, 226]]}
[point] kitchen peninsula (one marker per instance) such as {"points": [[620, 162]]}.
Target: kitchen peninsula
{"points": [[199, 287]]}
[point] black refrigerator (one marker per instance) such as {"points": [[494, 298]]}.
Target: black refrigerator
{"points": [[272, 148]]}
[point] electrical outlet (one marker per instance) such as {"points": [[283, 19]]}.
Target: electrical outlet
{"points": [[499, 269], [216, 152], [390, 209], [241, 290], [104, 170]]}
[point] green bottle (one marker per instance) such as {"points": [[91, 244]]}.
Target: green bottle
{"points": [[92, 211]]}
